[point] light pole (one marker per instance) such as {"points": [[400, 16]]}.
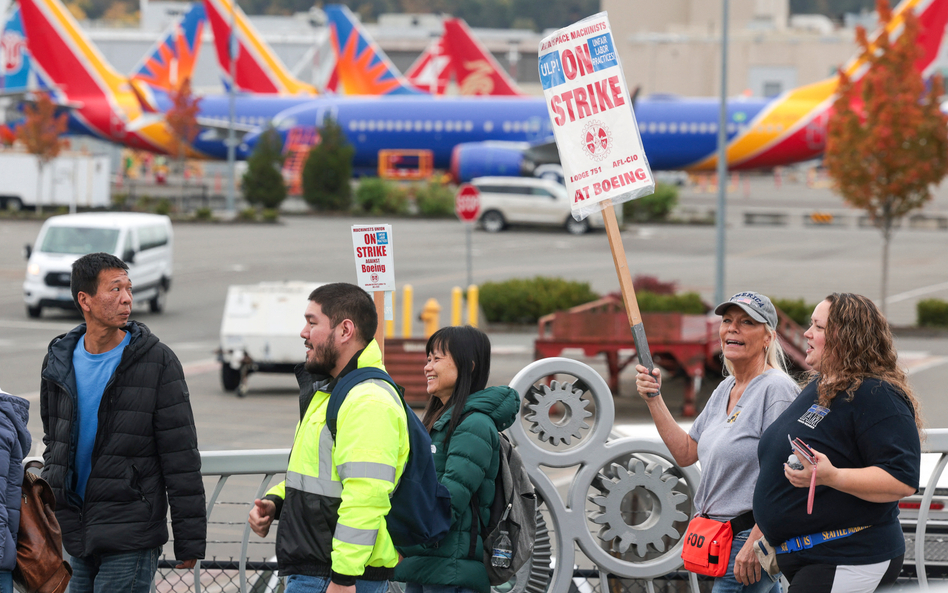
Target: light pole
{"points": [[233, 48], [722, 165]]}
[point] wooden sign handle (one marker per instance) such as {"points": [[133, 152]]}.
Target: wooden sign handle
{"points": [[379, 297], [626, 288]]}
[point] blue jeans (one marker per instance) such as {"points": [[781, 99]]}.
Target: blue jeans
{"points": [[125, 572], [6, 581], [301, 583], [418, 588], [728, 584]]}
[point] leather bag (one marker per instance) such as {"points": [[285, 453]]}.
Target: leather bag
{"points": [[40, 567]]}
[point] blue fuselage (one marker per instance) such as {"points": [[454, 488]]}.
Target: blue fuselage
{"points": [[675, 132]]}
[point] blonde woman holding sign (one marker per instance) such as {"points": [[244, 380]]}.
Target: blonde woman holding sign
{"points": [[725, 437]]}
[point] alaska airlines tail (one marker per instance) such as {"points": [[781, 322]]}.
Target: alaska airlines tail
{"points": [[104, 102], [475, 69], [362, 67], [431, 72], [793, 126], [174, 55], [258, 69]]}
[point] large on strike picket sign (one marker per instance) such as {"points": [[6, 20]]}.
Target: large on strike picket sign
{"points": [[595, 129], [467, 203]]}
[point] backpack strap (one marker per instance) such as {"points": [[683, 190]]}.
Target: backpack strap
{"points": [[344, 386]]}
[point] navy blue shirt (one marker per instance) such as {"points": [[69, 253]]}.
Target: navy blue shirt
{"points": [[876, 428]]}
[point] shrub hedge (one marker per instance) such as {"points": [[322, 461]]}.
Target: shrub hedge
{"points": [[797, 309], [526, 300], [932, 313], [378, 196]]}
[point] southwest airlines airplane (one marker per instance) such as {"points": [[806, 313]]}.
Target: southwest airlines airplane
{"points": [[472, 135], [487, 135]]}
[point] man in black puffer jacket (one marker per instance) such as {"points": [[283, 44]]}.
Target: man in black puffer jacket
{"points": [[120, 440]]}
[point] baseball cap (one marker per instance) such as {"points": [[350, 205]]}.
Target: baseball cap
{"points": [[754, 304]]}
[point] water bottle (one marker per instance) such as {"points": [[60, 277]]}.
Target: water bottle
{"points": [[503, 551]]}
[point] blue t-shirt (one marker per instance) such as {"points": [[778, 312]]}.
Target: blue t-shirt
{"points": [[93, 372], [877, 428]]}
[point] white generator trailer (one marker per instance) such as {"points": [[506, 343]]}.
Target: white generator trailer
{"points": [[260, 330]]}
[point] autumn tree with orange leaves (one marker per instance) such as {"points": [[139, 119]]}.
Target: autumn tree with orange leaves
{"points": [[887, 140], [182, 119], [40, 133]]}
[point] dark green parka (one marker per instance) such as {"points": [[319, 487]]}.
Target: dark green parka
{"points": [[470, 465]]}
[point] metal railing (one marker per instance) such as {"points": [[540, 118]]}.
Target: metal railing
{"points": [[235, 478]]}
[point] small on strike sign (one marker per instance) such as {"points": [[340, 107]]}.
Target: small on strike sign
{"points": [[374, 259]]}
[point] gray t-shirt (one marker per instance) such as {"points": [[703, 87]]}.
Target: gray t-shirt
{"points": [[727, 444]]}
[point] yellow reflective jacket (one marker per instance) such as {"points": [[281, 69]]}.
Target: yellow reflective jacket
{"points": [[333, 502]]}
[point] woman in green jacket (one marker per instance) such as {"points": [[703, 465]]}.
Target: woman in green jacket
{"points": [[463, 417]]}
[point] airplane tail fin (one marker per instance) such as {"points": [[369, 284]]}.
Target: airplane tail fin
{"points": [[361, 65], [932, 16], [18, 75], [476, 70], [173, 57], [431, 72], [66, 57], [258, 69]]}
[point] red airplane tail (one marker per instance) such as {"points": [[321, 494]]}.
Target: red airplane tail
{"points": [[475, 69]]}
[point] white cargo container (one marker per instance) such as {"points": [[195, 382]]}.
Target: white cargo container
{"points": [[260, 330], [71, 179]]}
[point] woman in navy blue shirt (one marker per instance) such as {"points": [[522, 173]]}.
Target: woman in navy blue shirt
{"points": [[862, 422]]}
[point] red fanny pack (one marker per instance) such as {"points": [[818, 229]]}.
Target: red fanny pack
{"points": [[707, 548]]}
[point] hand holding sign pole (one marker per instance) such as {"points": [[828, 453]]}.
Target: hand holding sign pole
{"points": [[598, 138]]}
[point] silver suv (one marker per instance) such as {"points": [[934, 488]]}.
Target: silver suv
{"points": [[529, 200]]}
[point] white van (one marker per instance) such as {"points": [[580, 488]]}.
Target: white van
{"points": [[530, 200], [143, 241]]}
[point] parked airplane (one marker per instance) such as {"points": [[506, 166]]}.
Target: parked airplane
{"points": [[457, 53], [475, 69], [362, 68], [17, 77], [173, 57], [102, 102], [431, 71], [681, 133], [361, 65], [677, 133], [258, 68]]}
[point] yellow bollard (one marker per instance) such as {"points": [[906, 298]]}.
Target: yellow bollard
{"points": [[431, 316], [473, 296], [456, 306], [390, 323], [406, 312]]}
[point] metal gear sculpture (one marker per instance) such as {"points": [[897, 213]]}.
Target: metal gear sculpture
{"points": [[540, 403], [660, 486], [600, 480]]}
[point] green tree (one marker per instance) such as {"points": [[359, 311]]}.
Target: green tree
{"points": [[887, 140], [263, 182], [328, 170]]}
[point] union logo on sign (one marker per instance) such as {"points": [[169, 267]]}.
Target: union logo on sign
{"points": [[375, 278], [596, 140]]}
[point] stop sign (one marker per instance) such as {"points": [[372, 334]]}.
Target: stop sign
{"points": [[467, 203]]}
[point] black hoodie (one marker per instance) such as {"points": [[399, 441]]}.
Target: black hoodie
{"points": [[145, 452]]}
